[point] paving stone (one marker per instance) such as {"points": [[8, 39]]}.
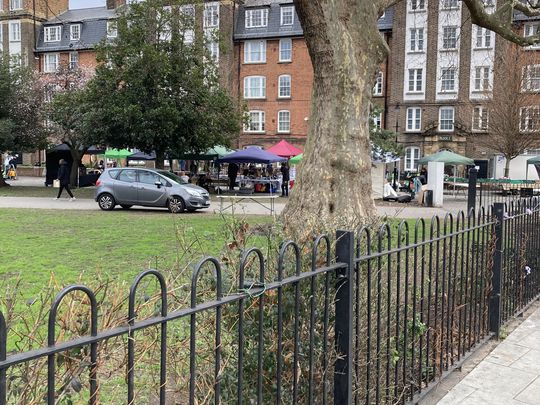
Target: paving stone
{"points": [[531, 394], [529, 362], [457, 395], [506, 353]]}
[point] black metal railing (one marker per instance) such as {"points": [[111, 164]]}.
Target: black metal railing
{"points": [[369, 317]]}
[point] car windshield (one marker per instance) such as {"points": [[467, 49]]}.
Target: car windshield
{"points": [[172, 176]]}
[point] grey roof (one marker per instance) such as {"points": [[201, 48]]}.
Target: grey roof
{"points": [[93, 29], [519, 16], [275, 30]]}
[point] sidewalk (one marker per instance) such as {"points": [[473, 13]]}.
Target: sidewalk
{"points": [[509, 375]]}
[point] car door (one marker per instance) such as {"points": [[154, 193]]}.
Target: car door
{"points": [[149, 193], [125, 187]]}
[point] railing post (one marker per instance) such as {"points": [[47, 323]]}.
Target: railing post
{"points": [[343, 378], [496, 276], [471, 197]]}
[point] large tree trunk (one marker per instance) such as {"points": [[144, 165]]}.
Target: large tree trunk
{"points": [[2, 181], [507, 168], [333, 184], [160, 160], [73, 176]]}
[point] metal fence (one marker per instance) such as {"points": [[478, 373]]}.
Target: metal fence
{"points": [[374, 316]]}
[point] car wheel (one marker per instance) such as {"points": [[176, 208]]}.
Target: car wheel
{"points": [[126, 207], [176, 205], [106, 202]]}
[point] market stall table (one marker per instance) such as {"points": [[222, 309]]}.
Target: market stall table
{"points": [[235, 199]]}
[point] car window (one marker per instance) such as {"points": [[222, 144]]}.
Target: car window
{"points": [[129, 176], [148, 177], [114, 173]]}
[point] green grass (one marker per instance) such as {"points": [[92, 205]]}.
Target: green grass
{"points": [[39, 243], [46, 192]]}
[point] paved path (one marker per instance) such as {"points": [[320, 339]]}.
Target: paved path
{"points": [[509, 375]]}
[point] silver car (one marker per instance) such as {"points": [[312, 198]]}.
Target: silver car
{"points": [[150, 188]]}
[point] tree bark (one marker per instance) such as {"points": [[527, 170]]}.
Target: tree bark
{"points": [[333, 184], [73, 176], [2, 181], [507, 168], [160, 160]]}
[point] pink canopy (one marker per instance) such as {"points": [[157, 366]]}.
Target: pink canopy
{"points": [[284, 149]]}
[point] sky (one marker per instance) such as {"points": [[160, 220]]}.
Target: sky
{"points": [[86, 3]]}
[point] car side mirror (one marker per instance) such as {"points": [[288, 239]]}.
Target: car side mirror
{"points": [[158, 184]]}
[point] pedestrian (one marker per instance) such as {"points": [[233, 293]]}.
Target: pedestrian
{"points": [[285, 180], [7, 160], [63, 177], [232, 172], [423, 176]]}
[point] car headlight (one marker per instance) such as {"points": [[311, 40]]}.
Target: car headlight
{"points": [[194, 193]]}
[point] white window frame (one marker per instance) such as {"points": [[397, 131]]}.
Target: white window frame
{"points": [[416, 6], [213, 50], [417, 40], [377, 120], [412, 156], [260, 122], [249, 52], [483, 38], [53, 33], [283, 9], [446, 108], [248, 89], [529, 118], [531, 82], [15, 34], [211, 15], [481, 82], [75, 29], [73, 60], [446, 80], [281, 50], [379, 84], [49, 67], [448, 40], [449, 5], [112, 29], [284, 86], [415, 80], [287, 130], [480, 119], [529, 30], [251, 18], [15, 5], [414, 123]]}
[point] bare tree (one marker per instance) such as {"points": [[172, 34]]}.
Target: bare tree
{"points": [[509, 114], [333, 186]]}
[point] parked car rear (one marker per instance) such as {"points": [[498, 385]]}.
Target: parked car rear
{"points": [[149, 188]]}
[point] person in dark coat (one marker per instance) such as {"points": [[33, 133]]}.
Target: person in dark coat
{"points": [[63, 176], [285, 180], [232, 172]]}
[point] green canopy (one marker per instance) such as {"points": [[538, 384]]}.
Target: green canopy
{"points": [[297, 159], [448, 158], [117, 154], [211, 154], [534, 161]]}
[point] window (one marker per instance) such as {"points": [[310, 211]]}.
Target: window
{"points": [[415, 80], [482, 78], [412, 155], [75, 32], [284, 86], [129, 176], [15, 31], [480, 119], [284, 121], [417, 5], [285, 50], [15, 4], [73, 60], [213, 50], [53, 34], [449, 4], [149, 177], [287, 15], [377, 120], [211, 15], [531, 29], [257, 18], [112, 29], [417, 40], [188, 21], [448, 79], [378, 88], [255, 52], [449, 38], [446, 119], [531, 78], [414, 118], [256, 122], [255, 87], [483, 38], [50, 62], [529, 118]]}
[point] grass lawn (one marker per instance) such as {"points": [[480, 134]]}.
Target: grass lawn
{"points": [[38, 243], [46, 192]]}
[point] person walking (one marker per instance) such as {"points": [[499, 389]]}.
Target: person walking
{"points": [[285, 180], [63, 177], [232, 172]]}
